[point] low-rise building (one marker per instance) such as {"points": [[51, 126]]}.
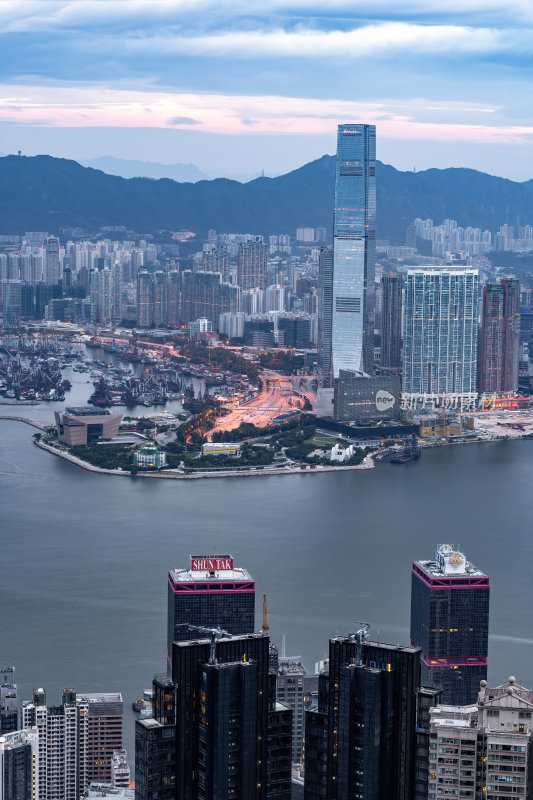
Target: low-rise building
{"points": [[150, 456], [83, 425], [221, 449]]}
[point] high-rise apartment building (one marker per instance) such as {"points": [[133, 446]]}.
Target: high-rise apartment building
{"points": [[19, 765], [294, 686], [8, 701], [360, 740], [210, 592], [450, 623], [145, 307], [120, 770], [325, 314], [482, 750], [252, 264], [104, 732], [52, 266], [440, 335], [173, 297], [62, 732], [215, 258], [391, 321], [354, 250], [11, 301], [160, 309], [204, 294], [500, 337]]}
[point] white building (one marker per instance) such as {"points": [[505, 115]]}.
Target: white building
{"points": [[341, 454], [120, 770], [62, 744]]}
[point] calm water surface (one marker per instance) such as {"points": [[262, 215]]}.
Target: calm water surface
{"points": [[84, 557]]}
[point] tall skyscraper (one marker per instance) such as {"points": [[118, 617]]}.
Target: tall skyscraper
{"points": [[325, 314], [52, 267], [224, 710], [252, 264], [354, 250], [160, 298], [205, 295], [215, 258], [483, 750], [450, 623], [8, 701], [173, 297], [294, 685], [145, 307], [391, 321], [440, 334], [500, 337], [155, 745], [19, 765], [360, 740], [210, 592]]}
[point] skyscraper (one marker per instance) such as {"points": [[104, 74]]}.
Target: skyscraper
{"points": [[325, 312], [391, 321], [500, 337], [145, 308], [252, 264], [19, 765], [204, 294], [440, 334], [354, 250], [360, 740], [224, 712], [52, 268], [160, 298], [450, 623], [210, 592]]}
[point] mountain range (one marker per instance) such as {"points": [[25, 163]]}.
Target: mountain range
{"points": [[46, 193]]}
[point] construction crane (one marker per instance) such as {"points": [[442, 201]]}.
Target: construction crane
{"points": [[214, 634], [358, 638], [264, 629]]}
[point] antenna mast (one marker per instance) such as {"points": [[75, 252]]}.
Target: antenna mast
{"points": [[265, 615]]}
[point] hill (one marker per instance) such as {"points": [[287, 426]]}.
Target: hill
{"points": [[46, 193]]}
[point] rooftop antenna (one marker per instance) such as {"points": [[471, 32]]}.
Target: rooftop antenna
{"points": [[265, 615], [283, 646], [262, 173]]}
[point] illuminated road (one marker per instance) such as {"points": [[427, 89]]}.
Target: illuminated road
{"points": [[276, 397]]}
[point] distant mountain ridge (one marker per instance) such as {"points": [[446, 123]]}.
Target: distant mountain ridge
{"points": [[46, 193], [129, 168]]}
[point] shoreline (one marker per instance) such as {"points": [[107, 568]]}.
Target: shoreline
{"points": [[367, 463]]}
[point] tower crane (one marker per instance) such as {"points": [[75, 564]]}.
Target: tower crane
{"points": [[358, 638]]}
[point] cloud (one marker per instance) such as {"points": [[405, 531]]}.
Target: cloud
{"points": [[383, 40], [72, 106], [182, 120]]}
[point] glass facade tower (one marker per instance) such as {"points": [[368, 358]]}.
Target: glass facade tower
{"points": [[450, 624], [440, 333], [354, 250]]}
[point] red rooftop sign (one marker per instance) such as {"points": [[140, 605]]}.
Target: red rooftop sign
{"points": [[211, 563]]}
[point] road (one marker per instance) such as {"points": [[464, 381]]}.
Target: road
{"points": [[276, 397]]}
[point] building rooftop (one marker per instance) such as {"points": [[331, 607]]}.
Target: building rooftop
{"points": [[450, 562], [209, 568], [86, 411]]}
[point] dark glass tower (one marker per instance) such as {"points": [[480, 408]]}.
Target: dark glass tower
{"points": [[231, 736], [354, 250], [8, 701], [500, 337], [450, 624], [361, 738], [213, 593], [391, 321]]}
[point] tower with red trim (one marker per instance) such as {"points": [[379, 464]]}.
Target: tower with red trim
{"points": [[212, 593], [450, 624]]}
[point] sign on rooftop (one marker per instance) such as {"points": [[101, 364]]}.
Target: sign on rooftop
{"points": [[211, 563]]}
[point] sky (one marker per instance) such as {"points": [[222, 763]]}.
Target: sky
{"points": [[243, 85]]}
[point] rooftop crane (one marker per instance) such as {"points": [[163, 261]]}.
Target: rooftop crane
{"points": [[358, 638], [213, 634]]}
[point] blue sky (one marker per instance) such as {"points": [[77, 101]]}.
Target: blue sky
{"points": [[240, 85]]}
